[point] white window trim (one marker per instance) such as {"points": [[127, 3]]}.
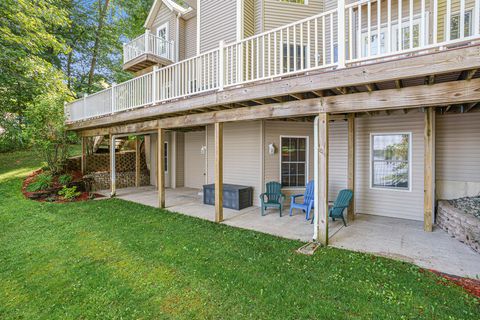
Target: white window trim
{"points": [[469, 10], [294, 3], [165, 26], [307, 161], [410, 161]]}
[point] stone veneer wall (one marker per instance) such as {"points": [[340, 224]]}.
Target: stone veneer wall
{"points": [[123, 179], [459, 225]]}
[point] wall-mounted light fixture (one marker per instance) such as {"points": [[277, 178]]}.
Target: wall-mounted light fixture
{"points": [[271, 149], [203, 150]]}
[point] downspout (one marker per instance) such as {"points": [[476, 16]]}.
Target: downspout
{"points": [[315, 179], [177, 38]]}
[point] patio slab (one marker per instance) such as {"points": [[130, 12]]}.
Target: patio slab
{"points": [[399, 239]]}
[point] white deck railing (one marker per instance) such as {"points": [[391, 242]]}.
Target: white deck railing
{"points": [[357, 32], [148, 43]]}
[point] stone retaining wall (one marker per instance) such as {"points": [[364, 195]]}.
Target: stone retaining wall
{"points": [[123, 179], [459, 225]]}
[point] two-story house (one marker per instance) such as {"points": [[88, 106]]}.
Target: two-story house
{"points": [[377, 96]]}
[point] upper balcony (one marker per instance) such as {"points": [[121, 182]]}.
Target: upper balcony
{"points": [[358, 33], [147, 50]]}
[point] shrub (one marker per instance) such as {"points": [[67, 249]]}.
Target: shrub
{"points": [[65, 179], [69, 194], [42, 182]]}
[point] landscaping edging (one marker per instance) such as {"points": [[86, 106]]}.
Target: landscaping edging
{"points": [[459, 225]]}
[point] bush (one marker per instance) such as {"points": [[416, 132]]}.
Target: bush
{"points": [[69, 194], [65, 179], [42, 182], [12, 133]]}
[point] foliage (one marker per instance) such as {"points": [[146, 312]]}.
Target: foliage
{"points": [[113, 259], [42, 182], [69, 194], [12, 133], [65, 179]]}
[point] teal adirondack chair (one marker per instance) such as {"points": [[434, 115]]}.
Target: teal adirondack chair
{"points": [[341, 203], [273, 197]]}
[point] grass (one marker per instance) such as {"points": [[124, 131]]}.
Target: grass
{"points": [[111, 259]]}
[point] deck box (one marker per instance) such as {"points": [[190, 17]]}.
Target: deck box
{"points": [[234, 196]]}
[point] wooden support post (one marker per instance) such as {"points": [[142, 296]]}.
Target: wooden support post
{"points": [[113, 185], [138, 144], [83, 159], [218, 171], [429, 169], [161, 167], [351, 164], [322, 178]]}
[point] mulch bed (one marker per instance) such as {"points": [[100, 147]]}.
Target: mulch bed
{"points": [[472, 286], [51, 195]]}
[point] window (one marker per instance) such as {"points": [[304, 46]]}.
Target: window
{"points": [[295, 1], [162, 32], [390, 157], [295, 64], [294, 163], [455, 25], [162, 46]]}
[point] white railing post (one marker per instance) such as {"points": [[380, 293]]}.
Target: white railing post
{"points": [[221, 65], [154, 84], [85, 106], [112, 102], [341, 33], [147, 40], [476, 18]]}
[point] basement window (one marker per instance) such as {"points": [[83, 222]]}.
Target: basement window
{"points": [[294, 161], [390, 161]]}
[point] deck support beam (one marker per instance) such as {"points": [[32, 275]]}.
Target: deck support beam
{"points": [[161, 167], [218, 172], [83, 159], [321, 179], [113, 184], [429, 168], [138, 144], [351, 164]]}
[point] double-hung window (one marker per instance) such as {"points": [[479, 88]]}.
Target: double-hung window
{"points": [[455, 25], [390, 160], [294, 161]]}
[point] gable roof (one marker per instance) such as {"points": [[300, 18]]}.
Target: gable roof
{"points": [[177, 6]]}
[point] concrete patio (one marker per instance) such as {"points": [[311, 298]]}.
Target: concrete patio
{"points": [[394, 238]]}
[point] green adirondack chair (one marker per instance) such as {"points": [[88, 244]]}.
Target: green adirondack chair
{"points": [[273, 197]]}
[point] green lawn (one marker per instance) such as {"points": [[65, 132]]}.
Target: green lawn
{"points": [[113, 259]]}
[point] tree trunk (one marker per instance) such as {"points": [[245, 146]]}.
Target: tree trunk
{"points": [[102, 11]]}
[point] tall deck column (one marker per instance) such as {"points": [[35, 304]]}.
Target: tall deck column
{"points": [[113, 185], [218, 172], [351, 164], [429, 169], [83, 159], [161, 167], [321, 179], [138, 144]]}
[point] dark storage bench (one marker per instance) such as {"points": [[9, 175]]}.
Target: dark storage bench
{"points": [[234, 196]]}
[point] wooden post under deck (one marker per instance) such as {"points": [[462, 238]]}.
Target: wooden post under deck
{"points": [[429, 169], [161, 167], [138, 144], [113, 185], [322, 190], [351, 164], [83, 159], [218, 171]]}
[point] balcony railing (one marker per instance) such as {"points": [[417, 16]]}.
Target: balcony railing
{"points": [[352, 33], [148, 43]]}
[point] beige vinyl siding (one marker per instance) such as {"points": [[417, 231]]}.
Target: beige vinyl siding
{"points": [[385, 202], [194, 160], [241, 155], [164, 15], [190, 45], [457, 155], [277, 13], [217, 22], [337, 158], [248, 18], [180, 160], [259, 16]]}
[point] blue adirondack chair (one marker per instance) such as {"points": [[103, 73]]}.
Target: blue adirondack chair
{"points": [[341, 203], [307, 204], [273, 197]]}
